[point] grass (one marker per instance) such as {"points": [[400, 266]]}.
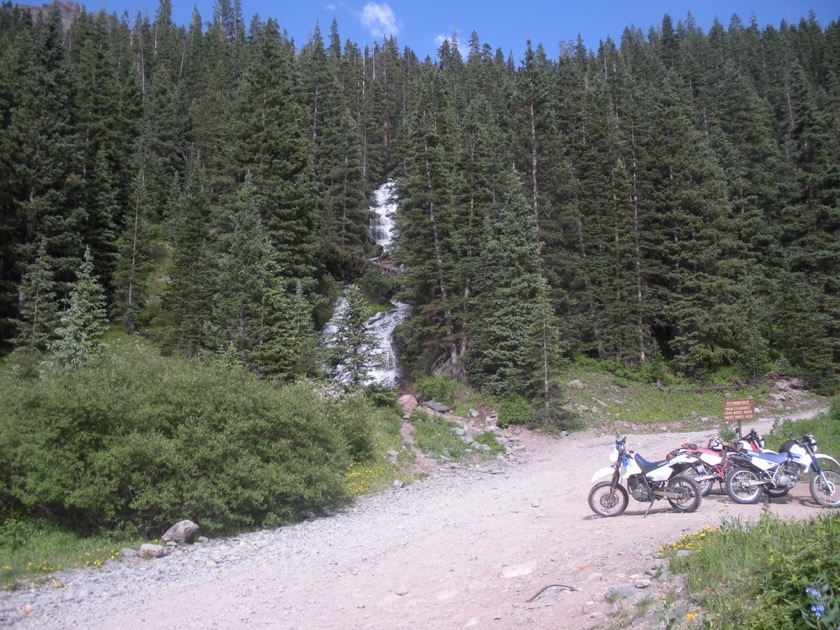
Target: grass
{"points": [[609, 399], [434, 436], [763, 576], [776, 574], [32, 551]]}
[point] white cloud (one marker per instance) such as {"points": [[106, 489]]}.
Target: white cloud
{"points": [[380, 20], [463, 48]]}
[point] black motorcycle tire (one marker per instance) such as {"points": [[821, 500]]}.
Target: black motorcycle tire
{"points": [[705, 486], [607, 501], [689, 489], [827, 495], [775, 493], [738, 489]]}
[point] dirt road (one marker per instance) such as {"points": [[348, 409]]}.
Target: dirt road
{"points": [[464, 548]]}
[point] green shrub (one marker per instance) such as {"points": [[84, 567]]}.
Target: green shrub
{"points": [[132, 446], [381, 395], [515, 410], [376, 286], [438, 388]]}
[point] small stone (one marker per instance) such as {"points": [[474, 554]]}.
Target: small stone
{"points": [[148, 550]]}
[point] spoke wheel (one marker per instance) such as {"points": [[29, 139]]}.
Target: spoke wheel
{"points": [[688, 494], [607, 501], [741, 486], [825, 488], [705, 485]]}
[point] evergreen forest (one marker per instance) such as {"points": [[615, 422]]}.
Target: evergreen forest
{"points": [[671, 199]]}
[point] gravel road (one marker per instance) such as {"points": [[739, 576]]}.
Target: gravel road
{"points": [[466, 547]]}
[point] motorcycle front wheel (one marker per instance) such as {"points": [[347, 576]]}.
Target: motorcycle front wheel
{"points": [[825, 488], [605, 500], [688, 494], [742, 486]]}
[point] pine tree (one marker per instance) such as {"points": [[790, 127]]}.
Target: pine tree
{"points": [[79, 337], [255, 310], [427, 223]]}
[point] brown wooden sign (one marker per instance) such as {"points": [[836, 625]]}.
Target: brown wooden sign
{"points": [[738, 411]]}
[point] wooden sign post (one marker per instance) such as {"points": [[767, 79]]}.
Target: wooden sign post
{"points": [[738, 410]]}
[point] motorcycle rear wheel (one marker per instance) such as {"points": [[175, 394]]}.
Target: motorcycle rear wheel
{"points": [[607, 501], [689, 491], [705, 486], [739, 486], [826, 492]]}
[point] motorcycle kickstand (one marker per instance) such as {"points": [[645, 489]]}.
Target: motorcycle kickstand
{"points": [[650, 505]]}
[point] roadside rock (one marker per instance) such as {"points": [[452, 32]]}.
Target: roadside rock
{"points": [[181, 533]]}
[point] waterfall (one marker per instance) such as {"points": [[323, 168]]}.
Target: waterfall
{"points": [[382, 220], [382, 325]]}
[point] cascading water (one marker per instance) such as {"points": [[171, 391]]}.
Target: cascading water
{"points": [[382, 221], [383, 324], [386, 371]]}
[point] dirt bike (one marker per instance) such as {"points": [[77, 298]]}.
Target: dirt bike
{"points": [[713, 460], [767, 472], [646, 481]]}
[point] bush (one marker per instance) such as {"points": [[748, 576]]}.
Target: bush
{"points": [[134, 446], [515, 410], [376, 286], [438, 388], [381, 395]]}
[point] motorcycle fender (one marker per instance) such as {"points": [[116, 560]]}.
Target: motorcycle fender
{"points": [[604, 472], [827, 458]]}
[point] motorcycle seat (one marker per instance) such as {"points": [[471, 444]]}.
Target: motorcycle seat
{"points": [[647, 466], [773, 457]]}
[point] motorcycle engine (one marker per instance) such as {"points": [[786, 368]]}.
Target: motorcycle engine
{"points": [[788, 475], [638, 488]]}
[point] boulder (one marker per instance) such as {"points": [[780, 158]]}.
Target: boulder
{"points": [[436, 406], [180, 533], [407, 403]]}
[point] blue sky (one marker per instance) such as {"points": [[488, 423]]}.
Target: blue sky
{"points": [[421, 24]]}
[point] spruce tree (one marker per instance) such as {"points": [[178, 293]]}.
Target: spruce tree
{"points": [[134, 260], [351, 347], [187, 298], [82, 323], [38, 304], [508, 335]]}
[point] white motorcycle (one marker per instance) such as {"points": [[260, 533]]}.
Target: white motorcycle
{"points": [[646, 481], [775, 474]]}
